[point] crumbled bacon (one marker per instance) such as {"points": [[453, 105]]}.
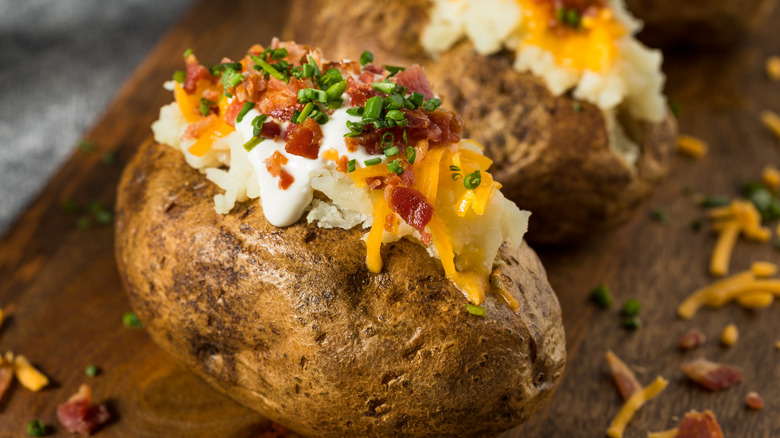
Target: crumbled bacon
{"points": [[711, 375], [699, 425], [436, 127], [625, 379], [274, 163], [195, 130], [77, 415], [195, 72], [412, 206], [754, 401], [303, 139], [691, 339], [342, 164], [270, 130], [280, 99], [232, 111], [359, 92], [6, 375], [252, 87], [414, 79]]}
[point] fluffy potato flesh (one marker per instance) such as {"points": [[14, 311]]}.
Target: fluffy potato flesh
{"points": [[555, 156], [290, 322]]}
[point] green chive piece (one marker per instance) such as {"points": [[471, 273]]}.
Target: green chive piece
{"points": [[395, 115], [472, 180], [305, 112], [91, 370], [602, 296], [351, 165], [395, 166], [411, 154], [69, 206], [244, 109], [205, 106], [257, 124], [95, 207], [385, 86], [393, 102], [632, 322], [104, 217], [130, 320], [334, 104], [108, 158], [387, 140], [389, 152], [560, 14], [764, 201], [675, 107], [576, 106], [476, 310], [714, 201], [373, 161], [416, 99], [234, 79], [36, 428], [331, 76], [268, 69], [456, 177], [310, 94], [254, 141], [660, 215], [366, 58], [573, 18], [431, 104], [87, 146], [697, 224], [187, 52], [373, 108], [82, 223], [355, 111], [394, 69], [308, 71], [630, 308], [319, 117], [454, 168], [316, 69], [336, 90], [179, 76], [404, 137], [225, 67]]}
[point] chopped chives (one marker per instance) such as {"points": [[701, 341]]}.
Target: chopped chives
{"points": [[131, 320], [475, 310], [305, 112], [87, 146], [395, 166], [431, 104], [394, 69], [393, 102], [108, 158], [336, 90], [179, 76], [268, 68], [257, 124], [351, 165], [411, 154], [632, 322], [244, 109], [366, 58], [384, 87], [455, 168], [456, 176], [660, 215], [395, 115], [319, 117], [472, 180], [310, 94], [334, 104], [602, 296], [205, 106], [254, 141], [70, 206], [373, 161], [576, 106], [373, 108], [316, 70], [187, 52], [387, 139], [234, 79], [416, 99], [91, 370], [355, 111], [389, 152], [36, 428], [307, 71], [630, 307]]}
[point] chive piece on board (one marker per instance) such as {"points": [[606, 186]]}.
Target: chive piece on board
{"points": [[602, 296]]}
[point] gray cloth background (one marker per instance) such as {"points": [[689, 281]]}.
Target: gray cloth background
{"points": [[61, 61]]}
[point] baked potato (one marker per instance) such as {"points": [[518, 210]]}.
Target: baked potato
{"points": [[294, 321], [711, 23], [580, 170]]}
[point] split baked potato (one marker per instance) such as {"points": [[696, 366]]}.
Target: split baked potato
{"points": [[290, 322], [563, 159]]}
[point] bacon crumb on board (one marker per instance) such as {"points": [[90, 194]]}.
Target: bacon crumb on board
{"points": [[754, 401], [691, 339], [625, 379], [699, 425], [713, 376], [77, 414]]}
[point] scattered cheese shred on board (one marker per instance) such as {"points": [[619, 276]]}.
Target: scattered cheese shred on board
{"points": [[730, 335], [28, 375], [771, 121], [625, 379], [671, 433], [773, 68], [691, 146], [771, 178], [618, 425]]}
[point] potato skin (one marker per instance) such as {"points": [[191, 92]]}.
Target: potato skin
{"points": [[552, 159], [289, 321]]}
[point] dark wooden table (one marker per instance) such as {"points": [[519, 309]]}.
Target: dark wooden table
{"points": [[61, 287]]}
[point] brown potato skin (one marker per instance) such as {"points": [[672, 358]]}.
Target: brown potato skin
{"points": [[552, 159], [290, 322], [707, 23]]}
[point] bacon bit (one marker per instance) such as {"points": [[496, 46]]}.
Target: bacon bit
{"points": [[280, 99], [368, 77], [414, 79], [712, 375], [231, 114], [195, 72], [391, 223], [270, 130], [304, 139], [754, 401], [195, 130], [343, 164], [285, 180], [274, 163], [252, 87], [359, 92], [691, 339], [625, 379], [412, 206], [6, 375], [77, 415], [699, 425], [407, 178], [375, 69]]}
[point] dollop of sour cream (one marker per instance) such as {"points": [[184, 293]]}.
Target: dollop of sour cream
{"points": [[283, 207]]}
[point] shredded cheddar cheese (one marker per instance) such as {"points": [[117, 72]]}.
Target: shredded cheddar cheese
{"points": [[730, 335], [619, 423], [2, 317], [763, 269], [671, 433], [739, 217], [771, 121], [777, 345], [374, 240], [691, 146], [771, 178], [756, 300], [28, 375]]}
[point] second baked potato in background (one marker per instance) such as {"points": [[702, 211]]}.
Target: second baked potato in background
{"points": [[561, 158]]}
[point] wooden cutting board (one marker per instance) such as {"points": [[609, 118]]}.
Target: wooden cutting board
{"points": [[61, 287]]}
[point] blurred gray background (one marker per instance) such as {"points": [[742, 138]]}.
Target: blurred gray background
{"points": [[61, 61]]}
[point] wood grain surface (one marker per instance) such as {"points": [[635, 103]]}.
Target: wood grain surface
{"points": [[62, 291]]}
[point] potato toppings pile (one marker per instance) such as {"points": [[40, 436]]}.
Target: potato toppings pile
{"points": [[371, 140]]}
